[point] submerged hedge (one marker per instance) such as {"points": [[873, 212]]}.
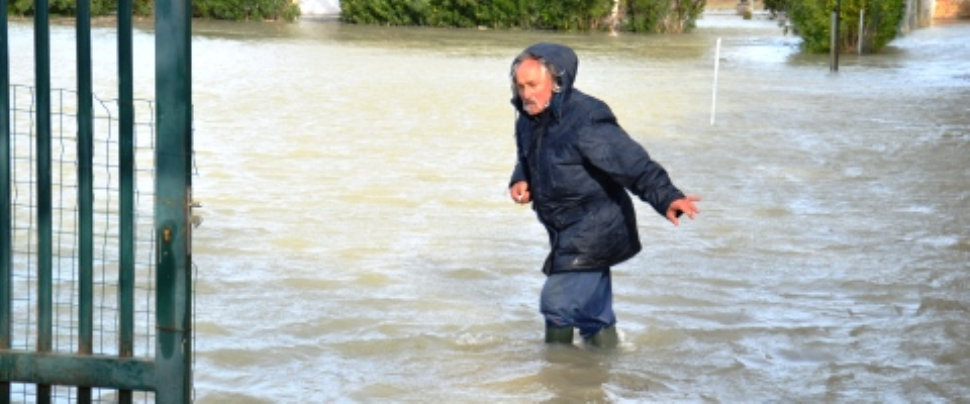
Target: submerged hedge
{"points": [[564, 15], [217, 9], [537, 14], [812, 21]]}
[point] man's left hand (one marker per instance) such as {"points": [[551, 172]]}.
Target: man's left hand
{"points": [[683, 205]]}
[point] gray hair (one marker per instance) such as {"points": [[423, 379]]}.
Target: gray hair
{"points": [[547, 67]]}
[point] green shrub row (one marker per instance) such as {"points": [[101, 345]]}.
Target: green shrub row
{"points": [[812, 21], [217, 9], [564, 15], [238, 10], [538, 14], [69, 7], [661, 16]]}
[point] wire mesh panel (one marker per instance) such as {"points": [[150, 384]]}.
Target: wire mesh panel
{"points": [[64, 190]]}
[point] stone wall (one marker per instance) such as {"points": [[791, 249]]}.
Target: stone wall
{"points": [[919, 14], [952, 9]]}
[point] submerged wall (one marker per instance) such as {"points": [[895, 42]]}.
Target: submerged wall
{"points": [[952, 9], [919, 14]]}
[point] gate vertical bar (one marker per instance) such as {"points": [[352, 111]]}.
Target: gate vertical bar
{"points": [[6, 217], [126, 125], [85, 188], [42, 78], [173, 182]]}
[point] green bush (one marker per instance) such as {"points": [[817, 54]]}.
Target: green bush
{"points": [[217, 9], [683, 15], [246, 9], [69, 7], [571, 15], [143, 8], [662, 16], [644, 15], [563, 15], [20, 7], [777, 6], [812, 20]]}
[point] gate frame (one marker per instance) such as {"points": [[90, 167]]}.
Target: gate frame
{"points": [[169, 373]]}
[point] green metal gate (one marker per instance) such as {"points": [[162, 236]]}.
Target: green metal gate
{"points": [[71, 279]]}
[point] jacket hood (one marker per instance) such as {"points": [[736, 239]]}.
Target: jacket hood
{"points": [[566, 63]]}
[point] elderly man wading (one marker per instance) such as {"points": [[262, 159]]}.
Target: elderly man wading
{"points": [[575, 164]]}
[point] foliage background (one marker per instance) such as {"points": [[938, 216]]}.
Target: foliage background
{"points": [[217, 9], [671, 16], [565, 15], [812, 20]]}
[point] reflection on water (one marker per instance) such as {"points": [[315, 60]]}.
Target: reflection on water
{"points": [[358, 244]]}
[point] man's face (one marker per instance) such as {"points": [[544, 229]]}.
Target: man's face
{"points": [[534, 85]]}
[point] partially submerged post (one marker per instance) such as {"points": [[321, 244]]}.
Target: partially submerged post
{"points": [[717, 64], [834, 44]]}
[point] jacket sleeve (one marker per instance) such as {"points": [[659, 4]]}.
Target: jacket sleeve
{"points": [[610, 149], [519, 172]]}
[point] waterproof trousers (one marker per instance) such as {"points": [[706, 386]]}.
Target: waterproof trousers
{"points": [[582, 300]]}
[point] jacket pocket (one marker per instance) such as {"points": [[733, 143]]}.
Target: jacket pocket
{"points": [[602, 237], [564, 220]]}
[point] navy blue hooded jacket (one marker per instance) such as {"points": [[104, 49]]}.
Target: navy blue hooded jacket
{"points": [[579, 164]]}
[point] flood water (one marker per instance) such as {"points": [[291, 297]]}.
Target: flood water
{"points": [[359, 246]]}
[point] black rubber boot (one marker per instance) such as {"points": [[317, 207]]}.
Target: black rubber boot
{"points": [[563, 335], [605, 338]]}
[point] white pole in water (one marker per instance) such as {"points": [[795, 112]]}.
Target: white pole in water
{"points": [[717, 64]]}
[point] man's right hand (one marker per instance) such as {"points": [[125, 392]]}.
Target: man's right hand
{"points": [[520, 192]]}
